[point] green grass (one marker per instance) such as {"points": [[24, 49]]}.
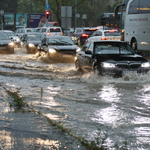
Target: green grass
{"points": [[17, 99]]}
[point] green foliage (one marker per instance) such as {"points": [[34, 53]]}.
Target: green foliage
{"points": [[92, 8], [7, 6], [18, 100]]}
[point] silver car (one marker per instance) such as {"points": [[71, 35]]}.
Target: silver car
{"points": [[51, 31], [12, 36], [21, 31]]}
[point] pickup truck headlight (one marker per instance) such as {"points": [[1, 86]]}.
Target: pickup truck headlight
{"points": [[145, 65], [108, 65]]}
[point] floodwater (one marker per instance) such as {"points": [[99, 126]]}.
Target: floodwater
{"points": [[113, 111]]}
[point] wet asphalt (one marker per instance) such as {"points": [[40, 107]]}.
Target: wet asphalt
{"points": [[30, 130]]}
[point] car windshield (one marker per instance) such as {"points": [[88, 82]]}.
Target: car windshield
{"points": [[3, 36], [112, 33], [10, 33], [113, 48], [34, 37], [60, 41]]}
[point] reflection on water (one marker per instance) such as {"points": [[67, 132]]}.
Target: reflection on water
{"points": [[109, 93], [18, 141]]}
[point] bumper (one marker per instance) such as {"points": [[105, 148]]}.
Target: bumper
{"points": [[62, 57], [120, 72]]}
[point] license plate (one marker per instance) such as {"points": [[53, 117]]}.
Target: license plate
{"points": [[128, 72]]}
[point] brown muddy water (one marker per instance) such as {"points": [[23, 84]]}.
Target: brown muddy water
{"points": [[113, 111]]}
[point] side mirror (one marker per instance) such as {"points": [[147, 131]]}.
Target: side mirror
{"points": [[88, 52]]}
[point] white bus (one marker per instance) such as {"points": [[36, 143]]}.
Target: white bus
{"points": [[136, 23]]}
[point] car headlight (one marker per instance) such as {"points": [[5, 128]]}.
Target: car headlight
{"points": [[145, 65], [17, 40], [11, 44], [78, 49], [108, 65], [51, 50], [31, 45]]}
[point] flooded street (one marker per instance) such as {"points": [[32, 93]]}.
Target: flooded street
{"points": [[113, 112]]}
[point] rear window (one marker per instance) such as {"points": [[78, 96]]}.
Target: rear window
{"points": [[89, 31], [43, 30], [30, 30], [112, 33], [55, 30]]}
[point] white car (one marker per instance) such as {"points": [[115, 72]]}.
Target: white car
{"points": [[100, 35], [12, 36], [51, 31], [21, 31]]}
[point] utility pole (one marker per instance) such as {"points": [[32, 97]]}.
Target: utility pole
{"points": [[46, 20], [75, 14]]}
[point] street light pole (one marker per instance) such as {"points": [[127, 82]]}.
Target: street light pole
{"points": [[46, 20], [75, 13]]}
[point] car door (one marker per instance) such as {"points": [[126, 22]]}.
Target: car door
{"points": [[88, 59], [81, 55]]}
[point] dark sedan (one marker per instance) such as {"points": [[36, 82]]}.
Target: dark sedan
{"points": [[6, 44], [31, 41], [115, 58], [59, 48]]}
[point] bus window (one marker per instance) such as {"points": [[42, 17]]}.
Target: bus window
{"points": [[133, 8], [144, 6]]}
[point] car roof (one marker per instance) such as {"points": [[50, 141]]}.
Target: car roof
{"points": [[106, 30], [33, 33], [110, 41], [61, 36], [7, 31], [2, 31]]}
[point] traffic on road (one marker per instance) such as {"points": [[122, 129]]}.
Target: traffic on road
{"points": [[88, 76]]}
